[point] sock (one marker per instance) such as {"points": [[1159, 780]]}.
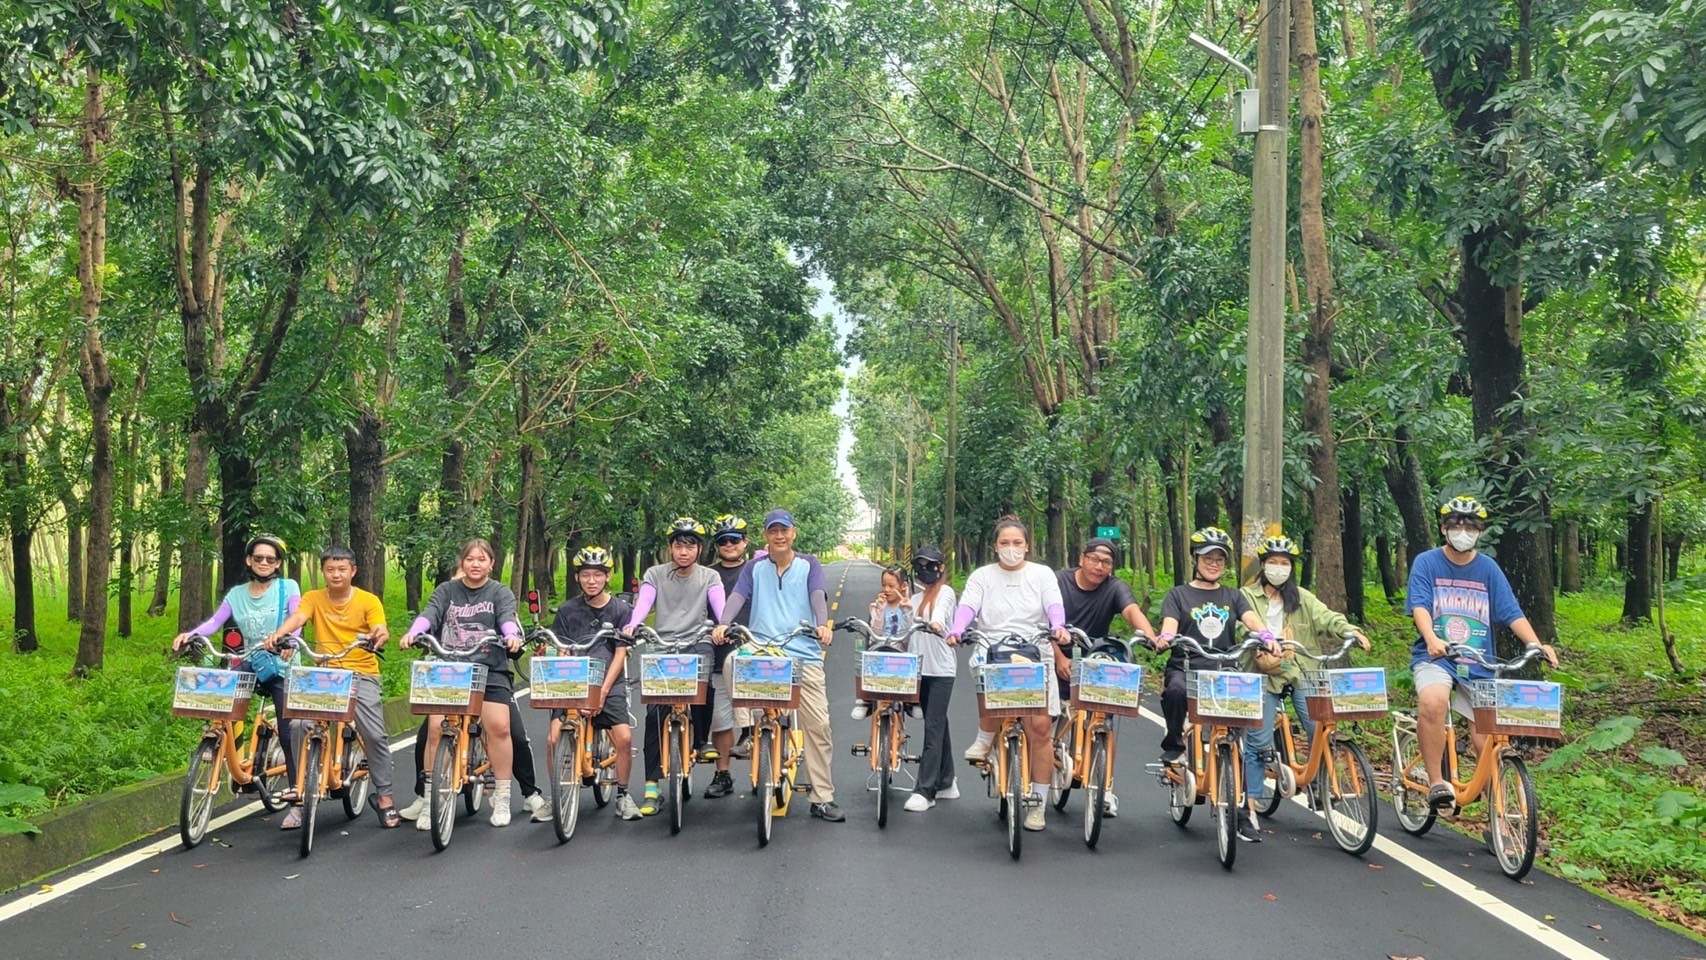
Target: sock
{"points": [[621, 791], [985, 737], [1039, 789], [501, 791]]}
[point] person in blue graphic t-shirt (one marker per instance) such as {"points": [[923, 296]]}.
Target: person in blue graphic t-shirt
{"points": [[1457, 595]]}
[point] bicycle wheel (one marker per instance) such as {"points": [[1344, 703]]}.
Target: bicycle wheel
{"points": [[1347, 791], [1060, 780], [357, 783], [474, 790], [441, 791], [314, 759], [675, 776], [885, 765], [269, 771], [1274, 775], [566, 783], [1514, 817], [764, 754], [1415, 814], [1015, 795], [1225, 809], [196, 808], [1095, 788], [603, 786]]}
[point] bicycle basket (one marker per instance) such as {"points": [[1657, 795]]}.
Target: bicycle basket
{"points": [[447, 687], [319, 693], [1223, 698], [210, 694], [1517, 708], [1357, 693], [566, 683]]}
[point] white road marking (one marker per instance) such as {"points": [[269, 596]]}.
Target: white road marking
{"points": [[1485, 901]]}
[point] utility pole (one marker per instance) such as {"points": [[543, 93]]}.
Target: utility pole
{"points": [[953, 441], [894, 471], [911, 426]]}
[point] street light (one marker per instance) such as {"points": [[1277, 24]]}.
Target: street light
{"points": [[1247, 114]]}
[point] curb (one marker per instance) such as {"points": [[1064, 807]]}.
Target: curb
{"points": [[104, 823]]}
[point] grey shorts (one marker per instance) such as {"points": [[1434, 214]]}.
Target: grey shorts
{"points": [[1429, 674], [722, 711]]}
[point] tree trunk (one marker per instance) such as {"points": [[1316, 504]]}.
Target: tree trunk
{"points": [[364, 445], [15, 469], [163, 561], [452, 496], [1570, 558], [194, 600], [539, 552], [1331, 560], [126, 538], [497, 539], [1054, 523], [524, 521], [97, 379], [1384, 559], [1353, 555], [1638, 565], [1672, 556], [1403, 473], [1178, 550], [238, 481], [73, 561]]}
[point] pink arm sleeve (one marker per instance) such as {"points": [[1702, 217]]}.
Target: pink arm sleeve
{"points": [[219, 616], [420, 626], [1056, 616], [642, 605], [962, 619], [716, 598]]}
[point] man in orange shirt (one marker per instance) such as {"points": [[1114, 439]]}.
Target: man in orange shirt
{"points": [[340, 613]]}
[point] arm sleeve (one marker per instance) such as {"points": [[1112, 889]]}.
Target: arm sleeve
{"points": [[1502, 599], [715, 598], [1123, 597], [731, 609], [206, 627], [1329, 623], [1056, 614], [291, 603], [433, 612], [743, 583], [820, 607], [962, 620], [1054, 605], [814, 574], [1241, 605], [619, 613], [421, 625], [509, 617], [642, 605]]}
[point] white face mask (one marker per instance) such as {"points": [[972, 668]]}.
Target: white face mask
{"points": [[1277, 573], [1463, 541], [1011, 556]]}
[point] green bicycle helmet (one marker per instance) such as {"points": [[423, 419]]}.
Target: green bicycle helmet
{"points": [[596, 558], [1211, 538], [685, 528], [1462, 506], [1280, 546], [271, 539], [728, 527]]}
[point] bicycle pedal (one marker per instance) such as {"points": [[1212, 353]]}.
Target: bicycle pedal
{"points": [[860, 750]]}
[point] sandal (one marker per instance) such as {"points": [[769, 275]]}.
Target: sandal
{"points": [[292, 820], [1442, 795], [388, 817]]}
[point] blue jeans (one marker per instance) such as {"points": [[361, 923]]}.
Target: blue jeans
{"points": [[1259, 741]]}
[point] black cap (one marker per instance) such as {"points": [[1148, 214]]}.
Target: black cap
{"points": [[1102, 545], [927, 552]]}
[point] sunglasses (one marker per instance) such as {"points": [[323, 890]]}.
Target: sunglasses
{"points": [[262, 558]]}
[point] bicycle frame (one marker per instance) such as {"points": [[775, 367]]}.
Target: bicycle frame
{"points": [[1486, 764]]}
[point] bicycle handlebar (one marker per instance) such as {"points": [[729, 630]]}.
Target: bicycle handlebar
{"points": [[545, 635], [1190, 645], [1498, 667], [432, 643], [644, 635], [1082, 641], [209, 650], [1350, 642], [363, 641], [874, 640]]}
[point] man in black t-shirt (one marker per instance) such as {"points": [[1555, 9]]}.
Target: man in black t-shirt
{"points": [[715, 722]]}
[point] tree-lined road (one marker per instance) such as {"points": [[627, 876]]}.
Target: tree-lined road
{"points": [[938, 884]]}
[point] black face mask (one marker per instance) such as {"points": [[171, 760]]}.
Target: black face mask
{"points": [[259, 577], [927, 575]]}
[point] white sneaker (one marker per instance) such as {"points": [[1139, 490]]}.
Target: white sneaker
{"points": [[423, 822], [535, 803], [952, 793], [978, 752], [1034, 819], [413, 811], [918, 803], [1110, 805], [861, 710], [626, 808], [500, 809]]}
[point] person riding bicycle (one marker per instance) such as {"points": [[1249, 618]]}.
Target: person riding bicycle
{"points": [[1015, 597], [1203, 609], [784, 588], [933, 608], [462, 611], [580, 617], [1291, 613], [715, 721], [1457, 595], [339, 613], [1093, 596], [255, 609], [684, 594]]}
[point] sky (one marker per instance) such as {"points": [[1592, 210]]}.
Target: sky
{"points": [[828, 304]]}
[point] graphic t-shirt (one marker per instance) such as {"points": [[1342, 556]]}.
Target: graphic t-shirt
{"points": [[336, 624], [1093, 611], [463, 615], [576, 620], [1467, 602], [1209, 617], [255, 618]]}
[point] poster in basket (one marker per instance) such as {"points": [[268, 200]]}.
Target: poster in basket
{"points": [[200, 688], [319, 688], [561, 678], [439, 683], [1012, 686], [763, 678], [1357, 690], [1110, 682], [893, 673], [1236, 696], [669, 675], [1528, 703]]}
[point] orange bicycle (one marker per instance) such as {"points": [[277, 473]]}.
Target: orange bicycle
{"points": [[766, 679], [674, 678], [1010, 692], [889, 677], [1106, 685], [573, 682], [454, 689], [221, 698], [333, 761]]}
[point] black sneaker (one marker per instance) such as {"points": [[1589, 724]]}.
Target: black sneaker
{"points": [[828, 811], [1172, 756], [722, 784], [743, 746], [1247, 829]]}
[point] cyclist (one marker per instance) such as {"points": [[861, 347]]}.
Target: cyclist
{"points": [[1292, 613], [1093, 596], [1202, 609], [1457, 595], [461, 611], [255, 609], [1015, 596], [717, 717], [580, 617], [684, 594], [340, 612], [891, 614], [932, 610], [785, 588]]}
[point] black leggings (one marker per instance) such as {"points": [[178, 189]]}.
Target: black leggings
{"points": [[274, 689], [1174, 708], [936, 759], [518, 740]]}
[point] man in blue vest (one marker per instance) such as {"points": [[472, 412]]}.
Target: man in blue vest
{"points": [[784, 588]]}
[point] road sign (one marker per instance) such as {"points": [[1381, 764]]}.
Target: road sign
{"points": [[1111, 533]]}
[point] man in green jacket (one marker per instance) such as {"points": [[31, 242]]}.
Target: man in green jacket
{"points": [[1292, 613]]}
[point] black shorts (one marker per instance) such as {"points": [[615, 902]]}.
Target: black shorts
{"points": [[614, 714], [499, 688]]}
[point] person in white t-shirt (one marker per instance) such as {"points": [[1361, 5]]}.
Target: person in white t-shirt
{"points": [[1014, 596]]}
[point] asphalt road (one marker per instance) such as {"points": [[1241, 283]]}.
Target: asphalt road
{"points": [[938, 884]]}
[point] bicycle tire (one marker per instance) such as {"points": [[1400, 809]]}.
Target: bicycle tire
{"points": [[885, 765], [1095, 789], [1515, 832], [195, 808], [675, 777], [268, 756], [566, 783], [474, 788], [1060, 775], [1415, 815], [1182, 793], [1015, 796], [1225, 810], [441, 791], [603, 748], [357, 785], [1279, 766], [313, 760], [1351, 807], [764, 756]]}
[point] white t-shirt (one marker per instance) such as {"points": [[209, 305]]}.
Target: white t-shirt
{"points": [[936, 658], [1013, 601]]}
